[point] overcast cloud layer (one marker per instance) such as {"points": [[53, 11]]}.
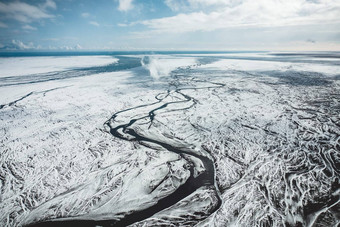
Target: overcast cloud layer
{"points": [[171, 24]]}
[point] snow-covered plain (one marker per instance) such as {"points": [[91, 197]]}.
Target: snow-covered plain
{"points": [[237, 142], [18, 66]]}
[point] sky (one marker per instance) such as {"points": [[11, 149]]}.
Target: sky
{"points": [[220, 25]]}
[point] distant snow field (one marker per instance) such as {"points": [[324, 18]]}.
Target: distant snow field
{"points": [[172, 140], [17, 66]]}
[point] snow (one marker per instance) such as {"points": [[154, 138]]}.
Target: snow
{"points": [[274, 142], [262, 66], [18, 66]]}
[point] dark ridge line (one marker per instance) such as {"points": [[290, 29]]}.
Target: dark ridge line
{"points": [[31, 93], [15, 101], [52, 89]]}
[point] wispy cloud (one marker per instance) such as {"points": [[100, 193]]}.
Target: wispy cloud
{"points": [[85, 15], [29, 27], [24, 12], [125, 5], [175, 5], [122, 25], [49, 4], [246, 13], [94, 23], [180, 5]]}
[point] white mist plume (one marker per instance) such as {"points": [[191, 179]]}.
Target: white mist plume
{"points": [[162, 66]]}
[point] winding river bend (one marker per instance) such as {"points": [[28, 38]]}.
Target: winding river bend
{"points": [[126, 132], [121, 125]]}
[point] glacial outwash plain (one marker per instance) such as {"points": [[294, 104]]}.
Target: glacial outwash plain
{"points": [[170, 139]]}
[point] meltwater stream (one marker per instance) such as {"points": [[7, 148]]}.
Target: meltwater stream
{"points": [[207, 178], [127, 131]]}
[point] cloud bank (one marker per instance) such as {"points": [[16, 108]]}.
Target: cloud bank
{"points": [[219, 14], [18, 45], [125, 5]]}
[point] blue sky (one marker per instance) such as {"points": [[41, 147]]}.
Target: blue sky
{"points": [[170, 25]]}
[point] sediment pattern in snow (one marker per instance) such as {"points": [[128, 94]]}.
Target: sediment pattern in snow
{"points": [[105, 150]]}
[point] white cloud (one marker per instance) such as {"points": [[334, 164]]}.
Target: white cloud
{"points": [[18, 45], [94, 23], [66, 48], [3, 25], [125, 5], [24, 12], [122, 25], [69, 48], [214, 2], [85, 15], [29, 27], [50, 4], [176, 5], [246, 13], [76, 47], [187, 5]]}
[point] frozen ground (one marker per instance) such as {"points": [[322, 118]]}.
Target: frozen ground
{"points": [[19, 66], [179, 141]]}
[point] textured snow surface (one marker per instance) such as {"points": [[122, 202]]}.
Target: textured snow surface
{"points": [[262, 66], [18, 66], [271, 129]]}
